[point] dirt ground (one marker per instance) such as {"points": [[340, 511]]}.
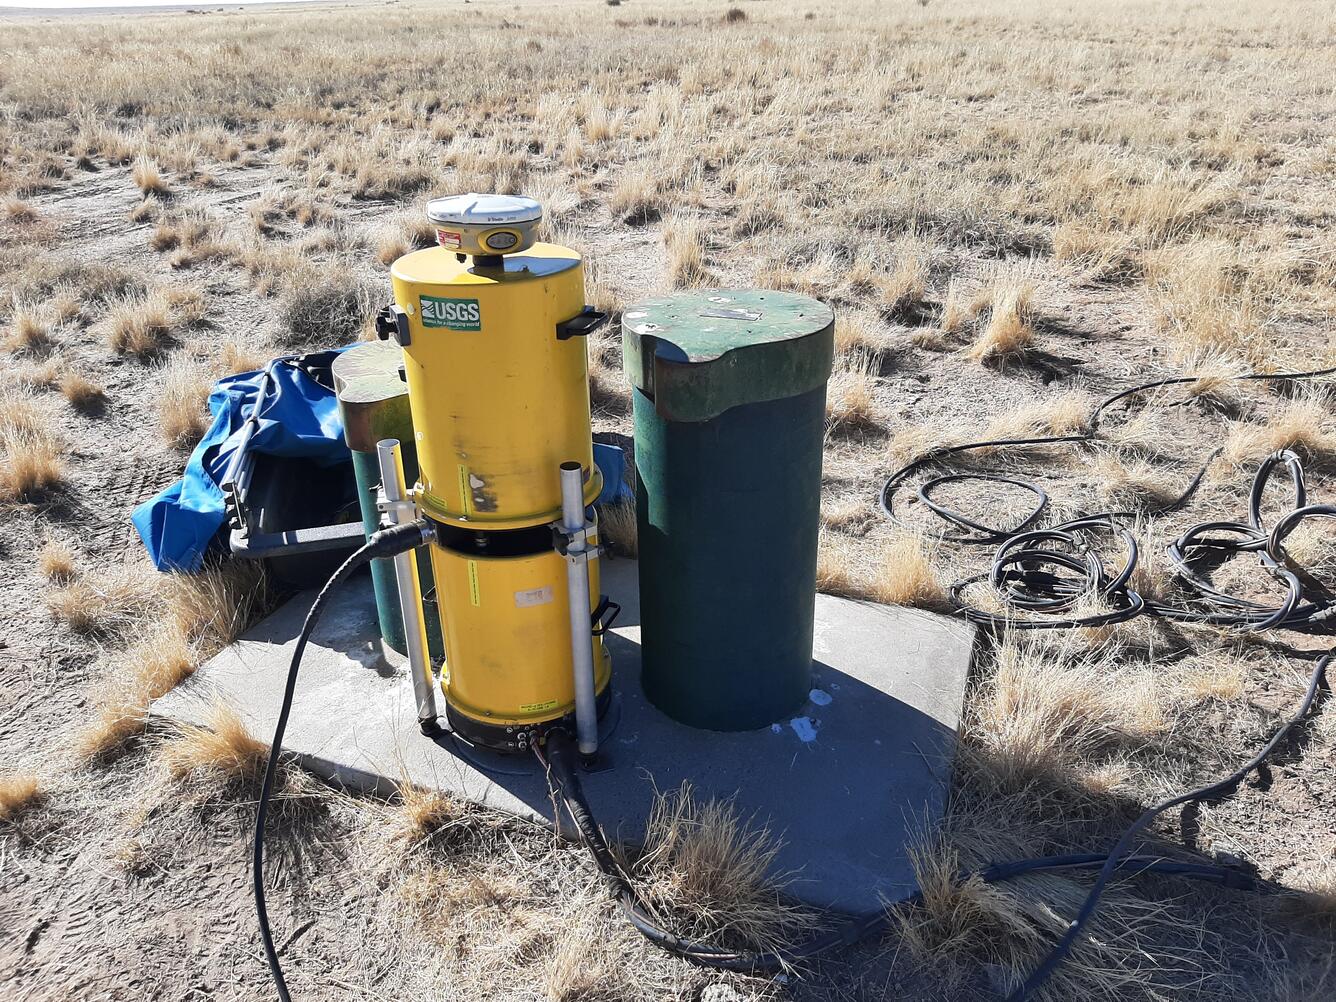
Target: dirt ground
{"points": [[1139, 192]]}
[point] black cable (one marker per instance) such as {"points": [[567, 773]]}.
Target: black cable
{"points": [[386, 543], [560, 763], [1112, 861]]}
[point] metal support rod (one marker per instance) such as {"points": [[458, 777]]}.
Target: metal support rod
{"points": [[398, 509], [578, 555]]}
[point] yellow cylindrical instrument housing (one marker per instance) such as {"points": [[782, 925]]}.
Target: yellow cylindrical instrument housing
{"points": [[508, 635], [498, 400]]}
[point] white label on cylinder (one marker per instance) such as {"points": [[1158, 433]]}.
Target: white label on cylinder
{"points": [[534, 596]]}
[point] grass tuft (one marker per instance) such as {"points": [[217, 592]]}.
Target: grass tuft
{"points": [[617, 528], [703, 865], [222, 748], [29, 332], [851, 402], [1304, 424], [56, 560], [684, 238], [329, 309], [141, 326], [1008, 334], [905, 575], [147, 177], [182, 397], [32, 463], [19, 792], [82, 393], [107, 601], [121, 717]]}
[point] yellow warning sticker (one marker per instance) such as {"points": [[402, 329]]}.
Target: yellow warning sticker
{"points": [[473, 582], [537, 707]]}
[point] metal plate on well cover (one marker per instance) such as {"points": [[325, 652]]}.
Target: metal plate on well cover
{"points": [[738, 314]]}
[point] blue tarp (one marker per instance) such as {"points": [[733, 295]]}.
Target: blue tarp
{"points": [[300, 418]]}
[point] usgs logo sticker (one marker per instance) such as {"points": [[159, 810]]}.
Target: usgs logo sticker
{"points": [[455, 314]]}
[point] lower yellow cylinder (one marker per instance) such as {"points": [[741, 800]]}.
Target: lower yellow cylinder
{"points": [[508, 636]]}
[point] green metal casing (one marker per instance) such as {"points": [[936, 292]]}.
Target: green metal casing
{"points": [[729, 409], [373, 402]]}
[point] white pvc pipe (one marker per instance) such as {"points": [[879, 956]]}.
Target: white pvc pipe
{"points": [[577, 581], [399, 509]]}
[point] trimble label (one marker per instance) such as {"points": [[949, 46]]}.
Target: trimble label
{"points": [[533, 596], [453, 314]]}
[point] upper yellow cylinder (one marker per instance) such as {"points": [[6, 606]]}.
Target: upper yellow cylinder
{"points": [[498, 401]]}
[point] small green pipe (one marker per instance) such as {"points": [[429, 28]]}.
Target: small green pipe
{"points": [[373, 402]]}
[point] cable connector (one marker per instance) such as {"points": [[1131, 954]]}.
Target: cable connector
{"points": [[400, 539]]}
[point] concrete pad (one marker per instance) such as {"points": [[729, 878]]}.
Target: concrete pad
{"points": [[846, 781]]}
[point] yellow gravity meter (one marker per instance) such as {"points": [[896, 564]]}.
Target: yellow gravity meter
{"points": [[492, 328]]}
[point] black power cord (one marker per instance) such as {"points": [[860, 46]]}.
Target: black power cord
{"points": [[385, 543], [560, 760], [1116, 856]]}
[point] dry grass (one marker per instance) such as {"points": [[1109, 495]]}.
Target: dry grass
{"points": [[1312, 546], [28, 331], [119, 718], [902, 293], [222, 748], [851, 398], [160, 661], [57, 562], [905, 573], [147, 178], [1216, 378], [1305, 423], [19, 212], [235, 357], [141, 326], [19, 792], [421, 812], [182, 397], [1210, 299], [211, 608], [326, 308], [1128, 481], [858, 332], [32, 455], [963, 925], [635, 198], [1066, 413], [31, 465], [684, 238], [1008, 333], [1052, 706], [617, 528], [83, 394], [702, 864], [109, 600], [922, 154], [406, 232]]}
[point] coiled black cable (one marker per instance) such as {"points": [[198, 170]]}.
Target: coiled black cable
{"points": [[385, 543]]}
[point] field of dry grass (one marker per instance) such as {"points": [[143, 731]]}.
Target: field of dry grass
{"points": [[1016, 209]]}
